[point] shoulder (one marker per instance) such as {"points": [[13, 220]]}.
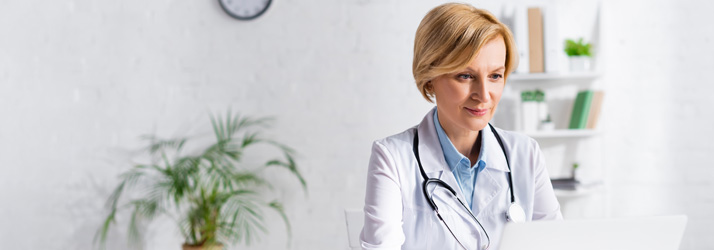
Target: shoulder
{"points": [[392, 155], [396, 143], [513, 139], [523, 151]]}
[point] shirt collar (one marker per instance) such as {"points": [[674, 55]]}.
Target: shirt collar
{"points": [[451, 155]]}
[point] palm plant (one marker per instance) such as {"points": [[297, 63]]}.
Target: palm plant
{"points": [[211, 195]]}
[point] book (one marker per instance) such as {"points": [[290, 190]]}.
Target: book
{"points": [[535, 40], [552, 43], [595, 108], [520, 33], [581, 109], [565, 183]]}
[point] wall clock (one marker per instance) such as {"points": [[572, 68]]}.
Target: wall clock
{"points": [[245, 9]]}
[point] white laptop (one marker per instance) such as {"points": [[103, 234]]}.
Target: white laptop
{"points": [[651, 233]]}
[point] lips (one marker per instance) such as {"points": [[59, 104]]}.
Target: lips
{"points": [[477, 112]]}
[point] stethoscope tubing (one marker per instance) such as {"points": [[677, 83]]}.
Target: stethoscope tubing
{"points": [[415, 148], [443, 184]]}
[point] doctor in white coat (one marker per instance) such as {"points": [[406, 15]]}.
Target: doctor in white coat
{"points": [[462, 57]]}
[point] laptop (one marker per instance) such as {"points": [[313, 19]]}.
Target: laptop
{"points": [[651, 233]]}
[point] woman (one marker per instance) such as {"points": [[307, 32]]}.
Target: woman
{"points": [[462, 57]]}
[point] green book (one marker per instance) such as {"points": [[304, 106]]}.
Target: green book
{"points": [[581, 109], [575, 114]]}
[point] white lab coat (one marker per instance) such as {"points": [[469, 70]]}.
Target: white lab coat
{"points": [[398, 216]]}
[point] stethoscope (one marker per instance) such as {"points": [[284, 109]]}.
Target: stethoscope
{"points": [[514, 213]]}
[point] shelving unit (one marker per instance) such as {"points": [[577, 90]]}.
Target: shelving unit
{"points": [[580, 192], [569, 140], [563, 147], [555, 78], [562, 133]]}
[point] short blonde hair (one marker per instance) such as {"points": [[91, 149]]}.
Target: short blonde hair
{"points": [[448, 39]]}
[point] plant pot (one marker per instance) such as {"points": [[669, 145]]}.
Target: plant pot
{"points": [[579, 63], [211, 247], [546, 126]]}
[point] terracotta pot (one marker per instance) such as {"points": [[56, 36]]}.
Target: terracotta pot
{"points": [[213, 247]]}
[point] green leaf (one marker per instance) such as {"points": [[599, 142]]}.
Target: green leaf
{"points": [[250, 139], [158, 145], [579, 48], [213, 197], [277, 206], [245, 218], [291, 166], [248, 179], [100, 238], [134, 232]]}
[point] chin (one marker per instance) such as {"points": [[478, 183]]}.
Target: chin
{"points": [[477, 124]]}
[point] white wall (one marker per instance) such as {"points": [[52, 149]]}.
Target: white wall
{"points": [[81, 80], [659, 116]]}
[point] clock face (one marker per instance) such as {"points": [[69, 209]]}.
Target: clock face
{"points": [[245, 9]]}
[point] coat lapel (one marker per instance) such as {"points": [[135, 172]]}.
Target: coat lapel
{"points": [[492, 180], [434, 164]]}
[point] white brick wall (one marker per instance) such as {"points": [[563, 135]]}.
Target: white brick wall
{"points": [[81, 80]]}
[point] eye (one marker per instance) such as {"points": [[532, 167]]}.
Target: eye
{"points": [[464, 76], [496, 76]]}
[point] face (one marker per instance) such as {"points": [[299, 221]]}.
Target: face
{"points": [[466, 100]]}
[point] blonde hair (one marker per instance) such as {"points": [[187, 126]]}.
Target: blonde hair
{"points": [[448, 39]]}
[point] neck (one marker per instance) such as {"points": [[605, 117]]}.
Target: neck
{"points": [[467, 142]]}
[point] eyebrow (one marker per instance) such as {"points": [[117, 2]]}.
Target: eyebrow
{"points": [[496, 69]]}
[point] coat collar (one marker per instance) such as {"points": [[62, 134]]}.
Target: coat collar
{"points": [[493, 156], [432, 156]]}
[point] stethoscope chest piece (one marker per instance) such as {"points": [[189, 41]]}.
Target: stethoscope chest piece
{"points": [[515, 213]]}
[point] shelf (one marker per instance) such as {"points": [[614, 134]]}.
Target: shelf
{"points": [[554, 77], [579, 192], [562, 133]]}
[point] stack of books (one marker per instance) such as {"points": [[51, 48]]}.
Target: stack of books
{"points": [[586, 109], [565, 183]]}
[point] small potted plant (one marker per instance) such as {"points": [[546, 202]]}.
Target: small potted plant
{"points": [[579, 54], [213, 197]]}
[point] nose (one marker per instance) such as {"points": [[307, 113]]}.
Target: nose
{"points": [[480, 90]]}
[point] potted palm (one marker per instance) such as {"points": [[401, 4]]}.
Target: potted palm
{"points": [[211, 195], [579, 54]]}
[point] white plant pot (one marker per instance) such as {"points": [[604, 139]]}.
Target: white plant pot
{"points": [[547, 126], [580, 63]]}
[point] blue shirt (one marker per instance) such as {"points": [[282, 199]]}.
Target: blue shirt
{"points": [[459, 164]]}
